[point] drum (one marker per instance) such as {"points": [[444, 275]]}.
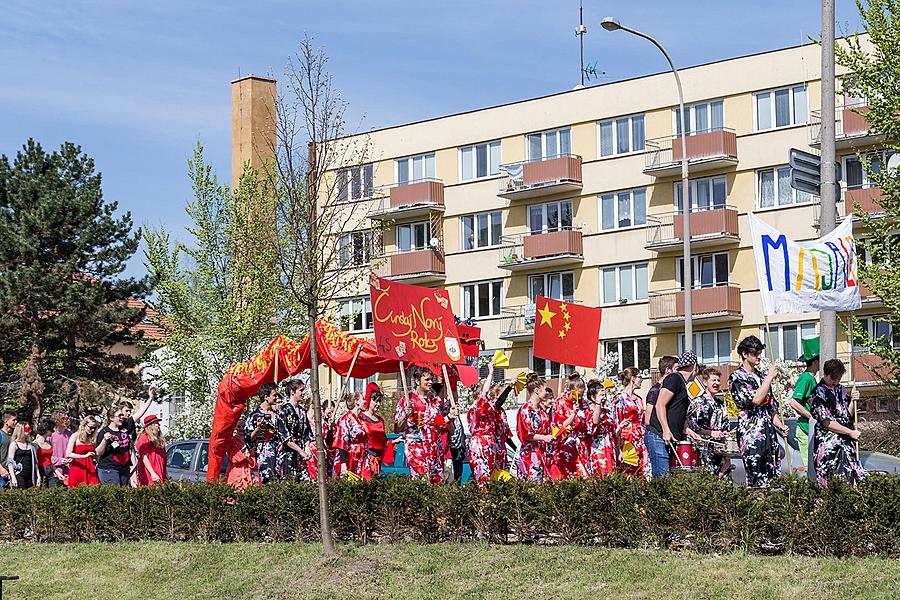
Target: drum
{"points": [[685, 457], [727, 447]]}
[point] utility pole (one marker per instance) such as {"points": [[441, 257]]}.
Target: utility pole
{"points": [[580, 31], [828, 198]]}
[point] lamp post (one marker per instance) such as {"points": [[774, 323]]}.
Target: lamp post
{"points": [[687, 278]]}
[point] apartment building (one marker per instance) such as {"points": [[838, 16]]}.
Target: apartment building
{"points": [[576, 196]]}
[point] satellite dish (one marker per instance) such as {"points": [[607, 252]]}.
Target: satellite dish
{"points": [[433, 242], [894, 161]]}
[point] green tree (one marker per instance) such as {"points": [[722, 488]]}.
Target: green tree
{"points": [[873, 64], [63, 302], [217, 294]]}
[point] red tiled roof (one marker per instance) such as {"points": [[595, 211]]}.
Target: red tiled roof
{"points": [[151, 330]]}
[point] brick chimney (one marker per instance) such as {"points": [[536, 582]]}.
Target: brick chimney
{"points": [[252, 123]]}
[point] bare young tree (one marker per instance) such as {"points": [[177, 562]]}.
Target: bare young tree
{"points": [[312, 146]]}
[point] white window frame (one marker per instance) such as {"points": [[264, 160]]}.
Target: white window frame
{"points": [[872, 325], [632, 147], [547, 277], [867, 182], [794, 121], [881, 405], [547, 371], [493, 170], [617, 346], [495, 286], [618, 269], [690, 109], [719, 358], [348, 308], [412, 235], [696, 271], [797, 197], [544, 134], [493, 217], [350, 238], [804, 329], [428, 160], [356, 385], [694, 193], [632, 202], [545, 226]]}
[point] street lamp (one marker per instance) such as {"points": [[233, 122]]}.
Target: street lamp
{"points": [[687, 278]]}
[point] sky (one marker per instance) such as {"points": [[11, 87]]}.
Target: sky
{"points": [[138, 85]]}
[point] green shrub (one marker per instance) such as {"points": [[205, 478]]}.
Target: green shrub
{"points": [[679, 511]]}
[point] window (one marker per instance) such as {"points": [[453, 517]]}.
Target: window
{"points": [[623, 209], [711, 347], [708, 270], [879, 331], [558, 286], [624, 283], [774, 188], [180, 456], [632, 353], [621, 136], [499, 374], [549, 144], [481, 299], [355, 314], [412, 236], [862, 406], [549, 369], [355, 183], [706, 194], [881, 405], [481, 230], [552, 216], [415, 168], [355, 248], [786, 340], [480, 160], [356, 386], [780, 108], [701, 117], [855, 174]]}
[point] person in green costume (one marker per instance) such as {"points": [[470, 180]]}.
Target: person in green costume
{"points": [[803, 391]]}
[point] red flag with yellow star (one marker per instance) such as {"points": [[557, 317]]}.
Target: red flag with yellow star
{"points": [[566, 333]]}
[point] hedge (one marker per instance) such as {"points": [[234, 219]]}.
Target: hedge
{"points": [[681, 511]]}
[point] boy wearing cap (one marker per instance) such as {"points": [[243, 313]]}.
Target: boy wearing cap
{"points": [[667, 423], [803, 391]]}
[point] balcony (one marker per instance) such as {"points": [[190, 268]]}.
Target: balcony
{"points": [[864, 370], [517, 323], [867, 197], [415, 267], [544, 177], [851, 130], [541, 250], [709, 305], [411, 200], [705, 150], [712, 227]]}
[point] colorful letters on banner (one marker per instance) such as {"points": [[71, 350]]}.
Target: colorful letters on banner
{"points": [[797, 277], [414, 324]]}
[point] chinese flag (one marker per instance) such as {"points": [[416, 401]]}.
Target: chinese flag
{"points": [[566, 333]]}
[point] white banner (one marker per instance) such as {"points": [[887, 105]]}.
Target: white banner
{"points": [[805, 276]]}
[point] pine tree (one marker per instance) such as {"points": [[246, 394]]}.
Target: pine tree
{"points": [[63, 301]]}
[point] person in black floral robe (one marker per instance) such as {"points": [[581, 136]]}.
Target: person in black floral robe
{"points": [[708, 418], [261, 434], [758, 421], [834, 441], [294, 431]]}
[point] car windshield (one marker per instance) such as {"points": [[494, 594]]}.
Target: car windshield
{"points": [[179, 456]]}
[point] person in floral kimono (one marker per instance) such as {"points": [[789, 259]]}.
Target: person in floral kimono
{"points": [[351, 439], [261, 435], [294, 431], [708, 418], [835, 437], [534, 431], [758, 421], [630, 422], [483, 429], [312, 456], [602, 429], [376, 436], [503, 433], [241, 465], [420, 417], [569, 429]]}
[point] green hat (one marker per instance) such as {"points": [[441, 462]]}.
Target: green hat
{"points": [[810, 347]]}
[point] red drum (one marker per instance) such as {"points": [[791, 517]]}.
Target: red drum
{"points": [[685, 458]]}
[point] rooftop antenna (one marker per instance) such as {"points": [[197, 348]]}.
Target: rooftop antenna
{"points": [[580, 31]]}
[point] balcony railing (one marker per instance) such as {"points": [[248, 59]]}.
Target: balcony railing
{"points": [[417, 266], [707, 149], [412, 199], [545, 249], [541, 177], [709, 227], [851, 129], [517, 323], [866, 368], [867, 197], [708, 304]]}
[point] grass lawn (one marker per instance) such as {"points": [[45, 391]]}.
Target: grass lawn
{"points": [[194, 571]]}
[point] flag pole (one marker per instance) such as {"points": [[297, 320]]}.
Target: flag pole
{"points": [[349, 374], [853, 382], [450, 390], [777, 392], [277, 348]]}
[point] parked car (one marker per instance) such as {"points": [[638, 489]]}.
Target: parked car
{"points": [[186, 461]]}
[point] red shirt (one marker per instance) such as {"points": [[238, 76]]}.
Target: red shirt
{"points": [[156, 456]]}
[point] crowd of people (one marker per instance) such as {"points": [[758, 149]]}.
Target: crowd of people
{"points": [[97, 451]]}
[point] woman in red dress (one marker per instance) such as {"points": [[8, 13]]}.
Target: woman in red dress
{"points": [[421, 416], [602, 430], [630, 414], [82, 469], [483, 429], [568, 431], [241, 463], [377, 438], [533, 429], [44, 450], [351, 439], [151, 453]]}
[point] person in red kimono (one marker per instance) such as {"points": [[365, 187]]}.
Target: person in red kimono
{"points": [[312, 462], [351, 439], [483, 430], [630, 428], [420, 416], [568, 430], [602, 429], [376, 436], [533, 429], [503, 434], [241, 464]]}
